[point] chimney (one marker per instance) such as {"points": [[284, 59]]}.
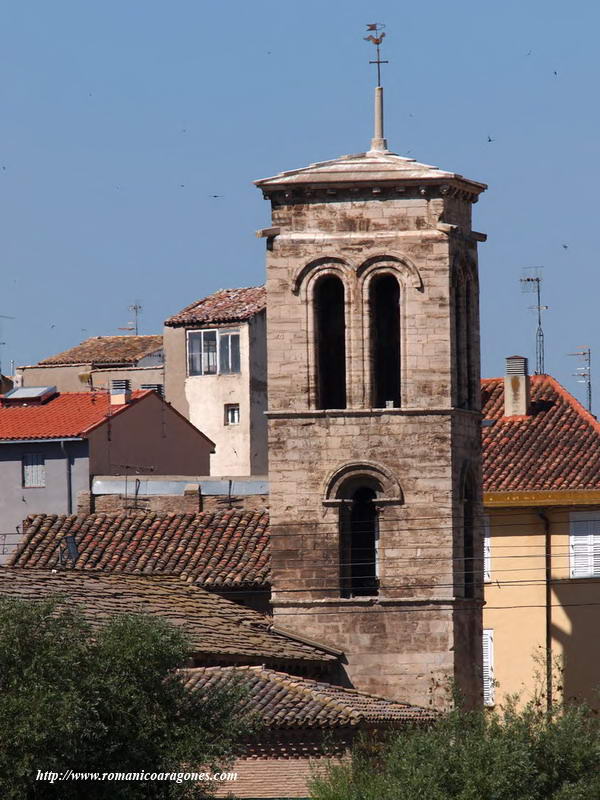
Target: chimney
{"points": [[120, 392], [516, 387]]}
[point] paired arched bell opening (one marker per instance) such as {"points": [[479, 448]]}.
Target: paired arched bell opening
{"points": [[377, 286]]}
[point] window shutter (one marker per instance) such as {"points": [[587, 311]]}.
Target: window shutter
{"points": [[487, 550], [488, 668], [584, 546], [34, 470]]}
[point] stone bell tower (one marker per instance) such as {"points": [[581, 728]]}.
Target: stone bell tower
{"points": [[374, 424]]}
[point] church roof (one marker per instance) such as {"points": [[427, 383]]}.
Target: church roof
{"points": [[215, 549], [373, 167], [216, 627], [288, 701]]}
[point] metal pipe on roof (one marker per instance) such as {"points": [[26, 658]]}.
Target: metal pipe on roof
{"points": [[63, 447]]}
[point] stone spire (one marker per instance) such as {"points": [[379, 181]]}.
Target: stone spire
{"points": [[378, 142]]}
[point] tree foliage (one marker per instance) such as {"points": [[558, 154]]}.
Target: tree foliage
{"points": [[103, 701], [517, 753]]}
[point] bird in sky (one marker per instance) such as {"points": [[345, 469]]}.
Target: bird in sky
{"points": [[216, 195], [555, 74], [529, 53], [490, 139], [565, 246]]}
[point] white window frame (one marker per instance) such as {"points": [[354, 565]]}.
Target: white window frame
{"points": [[221, 335], [489, 687], [33, 471], [487, 549], [232, 407], [584, 544]]}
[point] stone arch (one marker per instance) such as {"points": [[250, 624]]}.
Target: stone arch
{"points": [[308, 274], [402, 267], [343, 481]]}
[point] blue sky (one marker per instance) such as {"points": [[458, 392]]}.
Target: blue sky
{"points": [[120, 120]]}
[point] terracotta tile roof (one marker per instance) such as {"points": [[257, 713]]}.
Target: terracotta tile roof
{"points": [[216, 627], [212, 548], [64, 415], [226, 305], [111, 350], [556, 447], [286, 701]]}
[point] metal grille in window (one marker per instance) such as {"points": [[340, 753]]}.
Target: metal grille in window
{"points": [[34, 470]]}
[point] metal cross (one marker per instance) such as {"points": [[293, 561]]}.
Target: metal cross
{"points": [[377, 39]]}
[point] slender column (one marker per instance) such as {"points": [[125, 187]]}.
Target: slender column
{"points": [[378, 142]]}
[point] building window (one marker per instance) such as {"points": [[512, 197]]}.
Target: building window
{"points": [[330, 342], [584, 544], [487, 550], [213, 352], [488, 668], [34, 471], [358, 545], [384, 297], [232, 414]]}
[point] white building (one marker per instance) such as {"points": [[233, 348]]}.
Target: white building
{"points": [[215, 375]]}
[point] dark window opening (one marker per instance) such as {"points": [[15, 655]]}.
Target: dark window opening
{"points": [[385, 341], [358, 552], [459, 344], [468, 547], [330, 331], [471, 380]]}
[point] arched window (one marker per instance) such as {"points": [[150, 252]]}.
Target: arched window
{"points": [[330, 342], [469, 539], [460, 342], [358, 545], [384, 297]]}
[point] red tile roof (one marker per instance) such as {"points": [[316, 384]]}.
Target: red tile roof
{"points": [[108, 350], [64, 415], [226, 305], [555, 447], [287, 701], [212, 548]]}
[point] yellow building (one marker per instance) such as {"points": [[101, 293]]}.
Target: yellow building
{"points": [[541, 452]]}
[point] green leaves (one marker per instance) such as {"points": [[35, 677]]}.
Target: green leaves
{"points": [[105, 700], [515, 754]]}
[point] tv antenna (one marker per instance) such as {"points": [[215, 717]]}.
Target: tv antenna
{"points": [[2, 344], [135, 309], [584, 373], [531, 282]]}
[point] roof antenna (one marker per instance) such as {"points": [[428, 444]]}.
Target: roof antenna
{"points": [[378, 142], [532, 282], [584, 373]]}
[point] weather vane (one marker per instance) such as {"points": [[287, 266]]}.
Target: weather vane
{"points": [[377, 38]]}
